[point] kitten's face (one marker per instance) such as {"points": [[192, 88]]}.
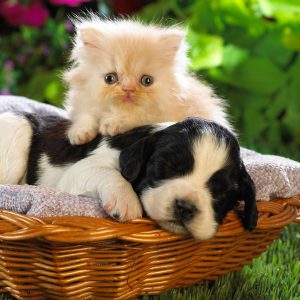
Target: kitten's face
{"points": [[127, 63], [129, 71]]}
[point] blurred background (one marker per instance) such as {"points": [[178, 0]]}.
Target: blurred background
{"points": [[247, 49]]}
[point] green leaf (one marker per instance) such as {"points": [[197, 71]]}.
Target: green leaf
{"points": [[254, 123], [54, 92], [218, 74], [271, 46], [205, 18], [292, 118], [154, 11], [44, 86], [273, 7], [273, 133], [257, 75], [291, 38], [277, 105], [233, 56], [294, 69], [206, 51]]}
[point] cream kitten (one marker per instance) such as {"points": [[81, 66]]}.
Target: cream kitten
{"points": [[126, 74]]}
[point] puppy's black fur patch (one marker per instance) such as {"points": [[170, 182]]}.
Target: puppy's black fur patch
{"points": [[126, 139], [163, 155], [49, 137]]}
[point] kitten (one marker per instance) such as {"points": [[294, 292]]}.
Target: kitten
{"points": [[126, 74]]}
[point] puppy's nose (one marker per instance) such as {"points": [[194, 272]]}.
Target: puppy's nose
{"points": [[184, 210]]}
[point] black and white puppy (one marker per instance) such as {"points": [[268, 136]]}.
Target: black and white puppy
{"points": [[187, 175]]}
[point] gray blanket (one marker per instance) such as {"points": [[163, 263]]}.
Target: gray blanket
{"points": [[274, 177]]}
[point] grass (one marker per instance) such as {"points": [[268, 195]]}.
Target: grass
{"points": [[275, 275]]}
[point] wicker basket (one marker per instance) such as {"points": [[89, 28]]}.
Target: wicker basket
{"points": [[90, 258]]}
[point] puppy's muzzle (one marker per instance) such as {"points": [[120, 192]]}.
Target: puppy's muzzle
{"points": [[184, 210]]}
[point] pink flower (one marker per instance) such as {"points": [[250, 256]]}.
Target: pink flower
{"points": [[34, 14], [21, 58], [68, 2], [5, 91], [69, 26], [9, 64], [44, 49]]}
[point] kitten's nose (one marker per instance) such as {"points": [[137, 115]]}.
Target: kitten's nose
{"points": [[127, 88], [184, 210]]}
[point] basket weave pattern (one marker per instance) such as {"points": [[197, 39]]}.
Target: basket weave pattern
{"points": [[90, 258]]}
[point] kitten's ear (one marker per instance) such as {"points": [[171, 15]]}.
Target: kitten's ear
{"points": [[90, 37], [172, 40]]}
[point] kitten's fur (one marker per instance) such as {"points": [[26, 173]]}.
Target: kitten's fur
{"points": [[132, 49]]}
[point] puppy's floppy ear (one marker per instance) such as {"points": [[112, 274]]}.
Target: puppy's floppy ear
{"points": [[133, 158], [248, 193]]}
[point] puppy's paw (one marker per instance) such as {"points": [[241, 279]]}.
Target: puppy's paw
{"points": [[112, 126], [81, 133], [122, 204]]}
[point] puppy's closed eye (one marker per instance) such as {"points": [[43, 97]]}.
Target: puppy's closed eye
{"points": [[166, 167], [222, 182]]}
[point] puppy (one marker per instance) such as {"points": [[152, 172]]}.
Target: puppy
{"points": [[187, 175], [125, 74]]}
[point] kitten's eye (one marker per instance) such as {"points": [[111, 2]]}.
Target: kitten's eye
{"points": [[111, 78], [146, 80]]}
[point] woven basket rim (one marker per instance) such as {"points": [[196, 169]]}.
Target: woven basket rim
{"points": [[73, 229]]}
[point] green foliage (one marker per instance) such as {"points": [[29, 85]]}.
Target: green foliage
{"points": [[248, 50], [32, 60]]}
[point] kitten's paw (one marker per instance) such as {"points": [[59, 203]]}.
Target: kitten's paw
{"points": [[81, 133], [122, 203], [112, 127]]}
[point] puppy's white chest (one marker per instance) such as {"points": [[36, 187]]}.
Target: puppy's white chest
{"points": [[48, 174]]}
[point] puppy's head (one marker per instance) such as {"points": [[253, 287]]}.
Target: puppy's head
{"points": [[188, 176]]}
